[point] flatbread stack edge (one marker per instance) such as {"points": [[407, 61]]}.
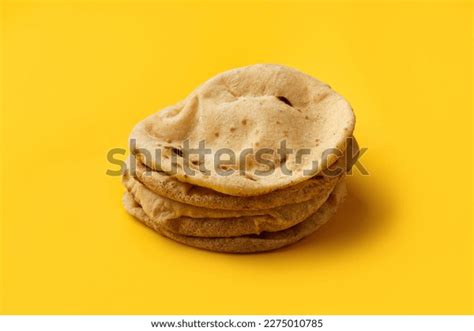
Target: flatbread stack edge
{"points": [[291, 117]]}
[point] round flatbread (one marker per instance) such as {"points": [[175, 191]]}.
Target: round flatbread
{"points": [[291, 116], [195, 221], [248, 244]]}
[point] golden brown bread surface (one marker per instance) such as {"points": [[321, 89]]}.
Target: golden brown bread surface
{"points": [[253, 107], [281, 132]]}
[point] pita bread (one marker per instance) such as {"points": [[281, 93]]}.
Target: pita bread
{"points": [[248, 109], [195, 221], [247, 244]]}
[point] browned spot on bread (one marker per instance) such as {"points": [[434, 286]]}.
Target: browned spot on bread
{"points": [[244, 122], [177, 151], [284, 100]]}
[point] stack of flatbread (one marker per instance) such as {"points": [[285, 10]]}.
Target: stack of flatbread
{"points": [[252, 160]]}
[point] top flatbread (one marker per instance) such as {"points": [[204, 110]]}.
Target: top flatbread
{"points": [[244, 109]]}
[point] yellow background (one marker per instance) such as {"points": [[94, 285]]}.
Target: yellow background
{"points": [[77, 76]]}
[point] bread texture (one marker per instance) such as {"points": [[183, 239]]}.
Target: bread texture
{"points": [[266, 241], [248, 109], [170, 187], [195, 221], [252, 160]]}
